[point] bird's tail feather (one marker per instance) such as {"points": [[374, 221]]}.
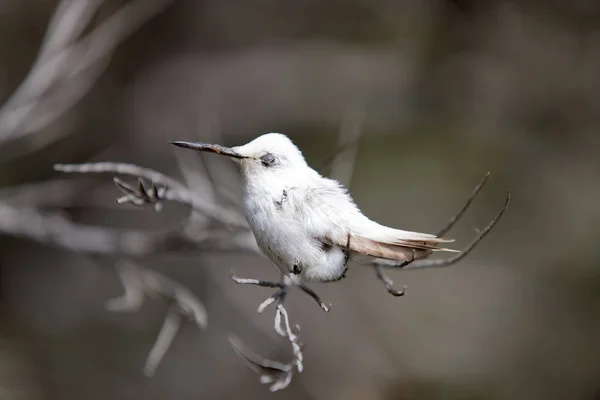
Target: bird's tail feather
{"points": [[404, 251]]}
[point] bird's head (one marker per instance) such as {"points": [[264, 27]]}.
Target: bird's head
{"points": [[271, 153]]}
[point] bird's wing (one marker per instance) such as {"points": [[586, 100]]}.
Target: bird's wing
{"points": [[372, 239], [337, 221]]}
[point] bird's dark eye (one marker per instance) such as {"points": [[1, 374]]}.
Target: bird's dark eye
{"points": [[268, 160]]}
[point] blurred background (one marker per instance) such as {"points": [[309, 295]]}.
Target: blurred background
{"points": [[441, 91]]}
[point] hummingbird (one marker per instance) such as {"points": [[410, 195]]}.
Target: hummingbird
{"points": [[308, 225]]}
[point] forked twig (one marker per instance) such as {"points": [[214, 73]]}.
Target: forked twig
{"points": [[139, 195], [51, 87], [139, 282], [467, 204], [269, 371], [459, 256], [55, 229], [173, 191], [379, 264]]}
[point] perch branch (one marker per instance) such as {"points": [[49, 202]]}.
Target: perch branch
{"points": [[464, 252], [173, 191], [446, 262], [269, 371], [379, 264], [467, 204]]}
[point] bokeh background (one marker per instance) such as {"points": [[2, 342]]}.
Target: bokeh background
{"points": [[443, 91]]}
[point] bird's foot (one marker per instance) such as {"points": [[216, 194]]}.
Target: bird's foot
{"points": [[279, 296], [315, 296]]}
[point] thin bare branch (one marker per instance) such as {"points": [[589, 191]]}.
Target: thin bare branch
{"points": [[55, 229], [284, 329], [269, 371], [55, 193], [67, 23], [465, 252], [139, 195], [138, 282], [446, 262], [197, 180], [342, 164], [174, 191], [163, 341], [50, 89], [388, 282], [218, 172], [121, 169], [462, 211]]}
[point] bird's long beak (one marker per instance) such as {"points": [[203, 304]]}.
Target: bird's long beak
{"points": [[213, 148]]}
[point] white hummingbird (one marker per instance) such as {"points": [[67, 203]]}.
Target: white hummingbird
{"points": [[307, 224]]}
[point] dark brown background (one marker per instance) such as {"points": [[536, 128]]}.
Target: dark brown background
{"points": [[450, 89]]}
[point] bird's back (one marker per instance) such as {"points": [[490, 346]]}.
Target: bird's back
{"points": [[310, 222]]}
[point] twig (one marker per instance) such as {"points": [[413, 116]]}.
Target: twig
{"points": [[221, 173], [342, 163], [387, 282], [140, 195], [54, 193], [138, 282], [53, 228], [62, 58], [269, 371], [453, 260], [462, 211], [175, 191], [163, 341], [446, 262]]}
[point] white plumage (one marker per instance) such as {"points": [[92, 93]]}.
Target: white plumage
{"points": [[307, 224]]}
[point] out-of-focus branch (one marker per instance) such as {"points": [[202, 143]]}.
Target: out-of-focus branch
{"points": [[55, 229], [56, 193], [173, 191], [269, 371], [280, 375], [53, 86], [342, 164], [219, 174], [139, 282], [277, 374]]}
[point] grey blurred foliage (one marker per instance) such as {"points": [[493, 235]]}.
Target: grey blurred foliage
{"points": [[450, 89]]}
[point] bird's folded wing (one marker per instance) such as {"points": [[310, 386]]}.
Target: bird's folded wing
{"points": [[393, 244]]}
